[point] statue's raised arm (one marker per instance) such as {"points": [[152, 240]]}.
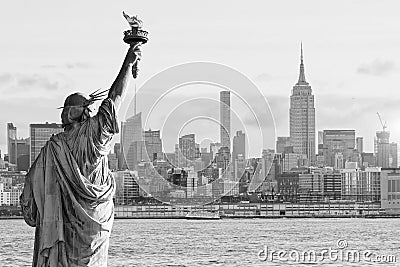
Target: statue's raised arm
{"points": [[134, 37], [118, 88]]}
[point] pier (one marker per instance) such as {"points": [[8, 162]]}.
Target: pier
{"points": [[258, 210]]}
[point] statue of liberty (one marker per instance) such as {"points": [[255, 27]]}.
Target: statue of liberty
{"points": [[68, 193]]}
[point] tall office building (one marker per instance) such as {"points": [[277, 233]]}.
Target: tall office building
{"points": [[382, 149], [131, 132], [11, 143], [283, 145], [18, 148], [22, 153], [153, 144], [120, 156], [239, 145], [214, 148], [225, 117], [302, 117], [360, 144], [187, 150], [393, 155], [338, 147], [39, 135]]}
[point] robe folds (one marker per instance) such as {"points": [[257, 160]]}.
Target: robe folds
{"points": [[68, 194]]}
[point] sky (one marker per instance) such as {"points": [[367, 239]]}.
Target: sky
{"points": [[49, 49]]}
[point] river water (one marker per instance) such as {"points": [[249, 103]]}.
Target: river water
{"points": [[232, 242]]}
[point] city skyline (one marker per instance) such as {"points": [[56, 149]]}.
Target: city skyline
{"points": [[352, 72], [210, 122]]}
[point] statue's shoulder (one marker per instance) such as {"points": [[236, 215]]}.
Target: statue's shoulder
{"points": [[57, 139]]}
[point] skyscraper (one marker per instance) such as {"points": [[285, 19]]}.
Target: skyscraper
{"points": [[239, 145], [393, 155], [131, 132], [339, 147], [360, 144], [39, 135], [11, 143], [153, 144], [225, 117], [382, 149], [18, 148], [283, 145], [302, 117], [187, 150]]}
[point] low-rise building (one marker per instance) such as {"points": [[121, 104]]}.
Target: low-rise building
{"points": [[390, 190]]}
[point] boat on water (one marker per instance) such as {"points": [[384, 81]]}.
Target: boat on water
{"points": [[202, 215]]}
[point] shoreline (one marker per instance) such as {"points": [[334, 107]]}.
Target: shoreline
{"points": [[224, 217]]}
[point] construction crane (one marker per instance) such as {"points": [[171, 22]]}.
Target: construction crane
{"points": [[383, 124]]}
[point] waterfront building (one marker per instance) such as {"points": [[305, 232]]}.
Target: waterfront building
{"points": [[311, 186], [302, 117], [5, 196], [192, 182], [126, 187], [225, 118], [39, 135], [361, 185], [332, 184], [390, 190], [288, 186], [9, 195]]}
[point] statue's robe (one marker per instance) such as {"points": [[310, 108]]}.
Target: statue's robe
{"points": [[68, 194]]}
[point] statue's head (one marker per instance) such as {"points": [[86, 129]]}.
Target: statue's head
{"points": [[75, 109]]}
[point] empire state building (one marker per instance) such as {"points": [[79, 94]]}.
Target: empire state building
{"points": [[302, 117]]}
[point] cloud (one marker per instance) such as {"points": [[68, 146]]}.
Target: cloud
{"points": [[377, 67], [75, 65], [5, 78], [35, 80], [24, 85]]}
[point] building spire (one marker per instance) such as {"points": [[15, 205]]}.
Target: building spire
{"points": [[302, 76]]}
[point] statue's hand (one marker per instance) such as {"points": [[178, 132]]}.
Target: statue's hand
{"points": [[134, 53]]}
